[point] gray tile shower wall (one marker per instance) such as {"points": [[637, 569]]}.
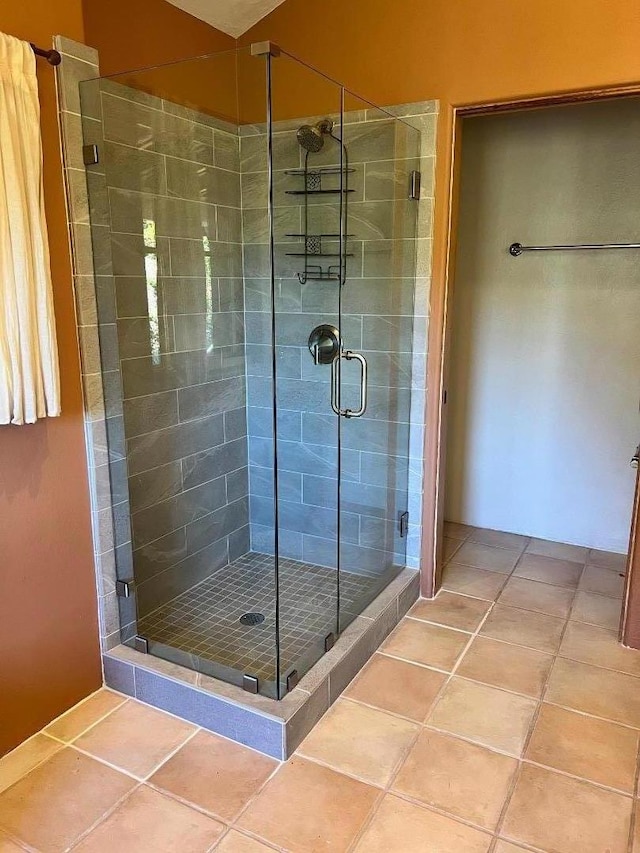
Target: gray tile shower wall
{"points": [[379, 305], [167, 192], [100, 392]]}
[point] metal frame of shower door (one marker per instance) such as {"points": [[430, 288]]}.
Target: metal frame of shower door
{"points": [[342, 277], [438, 352], [269, 53]]}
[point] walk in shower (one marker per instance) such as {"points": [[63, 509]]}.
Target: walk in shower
{"points": [[253, 227]]}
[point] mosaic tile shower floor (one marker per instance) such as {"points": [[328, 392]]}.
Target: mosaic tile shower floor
{"points": [[205, 620]]}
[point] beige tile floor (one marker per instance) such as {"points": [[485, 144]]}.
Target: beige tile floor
{"points": [[501, 717]]}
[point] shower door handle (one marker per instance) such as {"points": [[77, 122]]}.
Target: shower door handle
{"points": [[358, 413], [349, 355]]}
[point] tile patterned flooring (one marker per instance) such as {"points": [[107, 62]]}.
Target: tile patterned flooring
{"points": [[205, 619], [500, 717]]}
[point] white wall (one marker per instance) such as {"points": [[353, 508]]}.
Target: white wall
{"points": [[544, 386]]}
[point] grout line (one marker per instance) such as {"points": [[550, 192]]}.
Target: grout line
{"points": [[171, 754], [73, 708], [619, 791], [518, 844], [442, 811], [104, 761], [430, 667], [19, 843], [437, 624], [46, 758], [468, 739], [15, 749], [274, 772], [462, 594], [565, 656], [92, 725], [591, 716]]}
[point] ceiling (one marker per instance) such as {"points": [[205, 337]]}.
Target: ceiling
{"points": [[233, 17]]}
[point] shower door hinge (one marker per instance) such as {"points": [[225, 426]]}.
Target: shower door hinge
{"points": [[403, 523], [124, 589], [414, 185], [141, 644], [292, 679], [90, 156], [250, 683], [329, 641], [264, 48]]}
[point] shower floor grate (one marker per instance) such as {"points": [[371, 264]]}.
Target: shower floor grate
{"points": [[205, 619]]}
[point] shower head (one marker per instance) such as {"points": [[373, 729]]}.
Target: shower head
{"points": [[311, 136]]}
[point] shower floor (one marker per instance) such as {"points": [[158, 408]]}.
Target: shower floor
{"points": [[205, 619]]}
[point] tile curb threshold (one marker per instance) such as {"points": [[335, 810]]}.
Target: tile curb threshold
{"points": [[273, 727]]}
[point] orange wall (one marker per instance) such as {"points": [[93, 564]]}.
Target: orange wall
{"points": [[157, 32], [130, 34], [463, 51], [48, 624]]}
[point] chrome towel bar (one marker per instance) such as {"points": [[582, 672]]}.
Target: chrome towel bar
{"points": [[517, 249]]}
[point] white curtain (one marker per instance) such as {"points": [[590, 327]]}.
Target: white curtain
{"points": [[29, 375]]}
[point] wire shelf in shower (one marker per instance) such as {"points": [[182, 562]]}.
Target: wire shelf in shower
{"points": [[312, 248], [326, 236], [319, 170], [318, 192], [314, 272], [319, 254]]}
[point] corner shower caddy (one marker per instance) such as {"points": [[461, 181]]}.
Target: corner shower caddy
{"points": [[313, 243]]}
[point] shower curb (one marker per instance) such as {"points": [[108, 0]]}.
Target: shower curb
{"points": [[273, 727]]}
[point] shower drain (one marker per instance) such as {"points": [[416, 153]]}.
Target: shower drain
{"points": [[251, 618]]}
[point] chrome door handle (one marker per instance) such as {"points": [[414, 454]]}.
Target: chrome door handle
{"points": [[358, 413], [335, 384], [635, 459], [349, 355]]}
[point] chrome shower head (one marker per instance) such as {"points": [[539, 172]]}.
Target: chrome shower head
{"points": [[311, 136]]}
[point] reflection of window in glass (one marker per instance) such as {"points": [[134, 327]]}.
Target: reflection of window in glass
{"points": [[208, 290], [151, 275]]}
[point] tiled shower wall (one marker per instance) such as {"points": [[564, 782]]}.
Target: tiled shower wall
{"points": [[382, 452], [167, 190], [80, 62]]}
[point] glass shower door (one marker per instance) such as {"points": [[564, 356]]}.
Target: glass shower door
{"points": [[377, 300], [308, 190]]}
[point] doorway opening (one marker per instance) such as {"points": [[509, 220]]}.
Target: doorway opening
{"points": [[542, 376]]}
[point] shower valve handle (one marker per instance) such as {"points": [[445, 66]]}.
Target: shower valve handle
{"points": [[348, 355]]}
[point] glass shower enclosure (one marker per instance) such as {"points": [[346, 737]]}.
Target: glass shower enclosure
{"points": [[253, 237]]}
